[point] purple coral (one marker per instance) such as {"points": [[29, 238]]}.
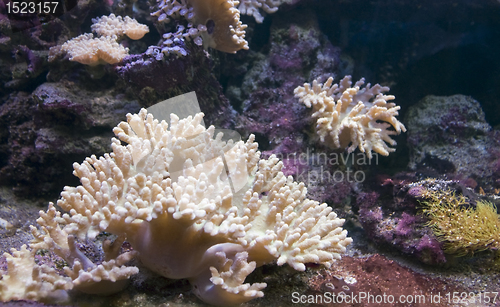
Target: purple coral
{"points": [[430, 250], [405, 224], [399, 225]]}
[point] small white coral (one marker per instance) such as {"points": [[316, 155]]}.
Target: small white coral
{"points": [[118, 26], [25, 279], [57, 236], [359, 116], [226, 286], [108, 277], [92, 51]]}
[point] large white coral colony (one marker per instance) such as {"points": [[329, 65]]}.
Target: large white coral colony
{"points": [[355, 115], [192, 206]]}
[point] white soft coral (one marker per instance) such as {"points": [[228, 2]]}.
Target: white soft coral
{"points": [[352, 117]]}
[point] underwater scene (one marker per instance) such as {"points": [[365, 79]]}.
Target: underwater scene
{"points": [[171, 153]]}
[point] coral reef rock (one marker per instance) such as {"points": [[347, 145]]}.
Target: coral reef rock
{"points": [[450, 135]]}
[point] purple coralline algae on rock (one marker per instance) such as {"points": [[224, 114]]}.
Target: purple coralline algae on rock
{"points": [[46, 131], [450, 135], [390, 218]]}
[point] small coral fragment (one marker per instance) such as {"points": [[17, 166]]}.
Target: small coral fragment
{"points": [[59, 235], [90, 50], [228, 282], [24, 279], [350, 117], [118, 26]]}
